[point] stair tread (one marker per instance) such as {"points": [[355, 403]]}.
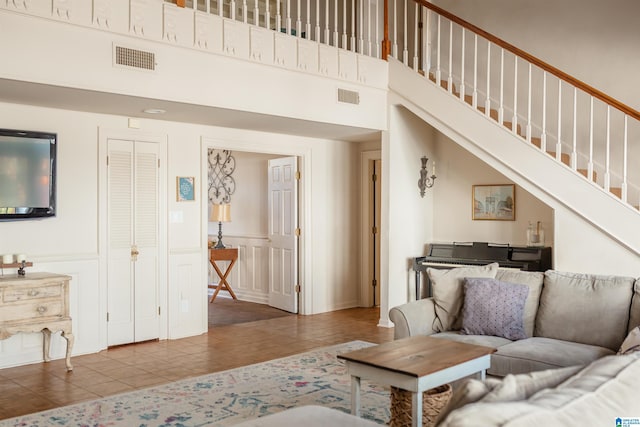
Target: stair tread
{"points": [[564, 157]]}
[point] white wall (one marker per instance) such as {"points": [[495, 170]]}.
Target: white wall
{"points": [[249, 201], [410, 221], [457, 172], [597, 42], [69, 243]]}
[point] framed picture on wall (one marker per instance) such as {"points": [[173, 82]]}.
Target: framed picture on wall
{"points": [[494, 202], [186, 188]]}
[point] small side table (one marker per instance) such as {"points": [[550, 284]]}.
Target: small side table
{"points": [[227, 254]]}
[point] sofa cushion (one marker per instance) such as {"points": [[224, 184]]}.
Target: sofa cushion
{"points": [[510, 388], [533, 279], [448, 292], [585, 308], [634, 317], [492, 307], [595, 396], [536, 354]]}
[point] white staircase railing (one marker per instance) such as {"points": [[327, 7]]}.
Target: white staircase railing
{"points": [[590, 132]]}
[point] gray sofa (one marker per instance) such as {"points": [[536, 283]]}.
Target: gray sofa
{"points": [[569, 318], [600, 394]]}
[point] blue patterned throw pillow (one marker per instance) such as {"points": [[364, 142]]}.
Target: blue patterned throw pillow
{"points": [[492, 307]]}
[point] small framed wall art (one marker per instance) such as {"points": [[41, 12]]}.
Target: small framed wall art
{"points": [[186, 188], [494, 202]]}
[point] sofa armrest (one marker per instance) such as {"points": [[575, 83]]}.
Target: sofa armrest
{"points": [[413, 318]]}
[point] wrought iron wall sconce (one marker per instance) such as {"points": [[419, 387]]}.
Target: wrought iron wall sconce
{"points": [[425, 180]]}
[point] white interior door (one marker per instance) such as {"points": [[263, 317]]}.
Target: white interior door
{"points": [[283, 222], [132, 234]]}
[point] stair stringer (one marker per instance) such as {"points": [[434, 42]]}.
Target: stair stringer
{"points": [[523, 163]]}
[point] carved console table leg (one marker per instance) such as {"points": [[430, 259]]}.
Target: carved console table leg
{"points": [[46, 336], [69, 337]]}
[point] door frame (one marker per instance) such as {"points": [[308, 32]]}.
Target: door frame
{"points": [[365, 229], [104, 134], [305, 299]]}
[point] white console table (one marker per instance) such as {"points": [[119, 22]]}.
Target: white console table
{"points": [[36, 302]]}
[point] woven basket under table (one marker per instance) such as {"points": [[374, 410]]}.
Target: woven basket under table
{"points": [[433, 401]]}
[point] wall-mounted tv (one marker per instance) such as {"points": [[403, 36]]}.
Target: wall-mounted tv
{"points": [[27, 174]]}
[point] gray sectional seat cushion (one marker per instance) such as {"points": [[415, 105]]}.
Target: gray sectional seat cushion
{"points": [[593, 396], [537, 353], [595, 307]]}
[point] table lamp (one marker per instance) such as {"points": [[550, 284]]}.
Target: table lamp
{"points": [[220, 213]]}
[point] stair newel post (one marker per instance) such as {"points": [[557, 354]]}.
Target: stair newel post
{"points": [[514, 120], [559, 141], [607, 175], [462, 62], [574, 149], [415, 39], [438, 70], [450, 70], [543, 136], [405, 52], [624, 158], [487, 101], [336, 39], [501, 105], [590, 164], [528, 135], [474, 96], [220, 9]]}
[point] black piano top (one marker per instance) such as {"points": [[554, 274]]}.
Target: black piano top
{"points": [[480, 253]]}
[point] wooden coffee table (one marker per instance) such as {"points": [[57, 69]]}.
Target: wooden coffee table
{"points": [[415, 364]]}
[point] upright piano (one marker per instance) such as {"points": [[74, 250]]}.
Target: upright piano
{"points": [[450, 255]]}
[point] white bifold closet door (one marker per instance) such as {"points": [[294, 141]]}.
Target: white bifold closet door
{"points": [[132, 283]]}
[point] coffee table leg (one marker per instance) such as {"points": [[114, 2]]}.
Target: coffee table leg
{"points": [[355, 395], [482, 375], [416, 409]]}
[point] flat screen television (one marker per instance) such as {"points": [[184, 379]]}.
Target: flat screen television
{"points": [[27, 174]]}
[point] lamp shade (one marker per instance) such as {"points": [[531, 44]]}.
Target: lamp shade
{"points": [[221, 213]]}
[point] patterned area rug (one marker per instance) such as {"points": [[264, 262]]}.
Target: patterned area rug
{"points": [[229, 397]]}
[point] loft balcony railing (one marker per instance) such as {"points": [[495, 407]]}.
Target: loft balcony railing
{"points": [[578, 125]]}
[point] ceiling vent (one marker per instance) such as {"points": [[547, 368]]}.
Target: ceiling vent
{"points": [[348, 96], [134, 58]]}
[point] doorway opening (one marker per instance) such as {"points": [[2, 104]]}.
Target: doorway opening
{"points": [[265, 228]]}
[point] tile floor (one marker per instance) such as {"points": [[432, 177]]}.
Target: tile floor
{"points": [[41, 386]]}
